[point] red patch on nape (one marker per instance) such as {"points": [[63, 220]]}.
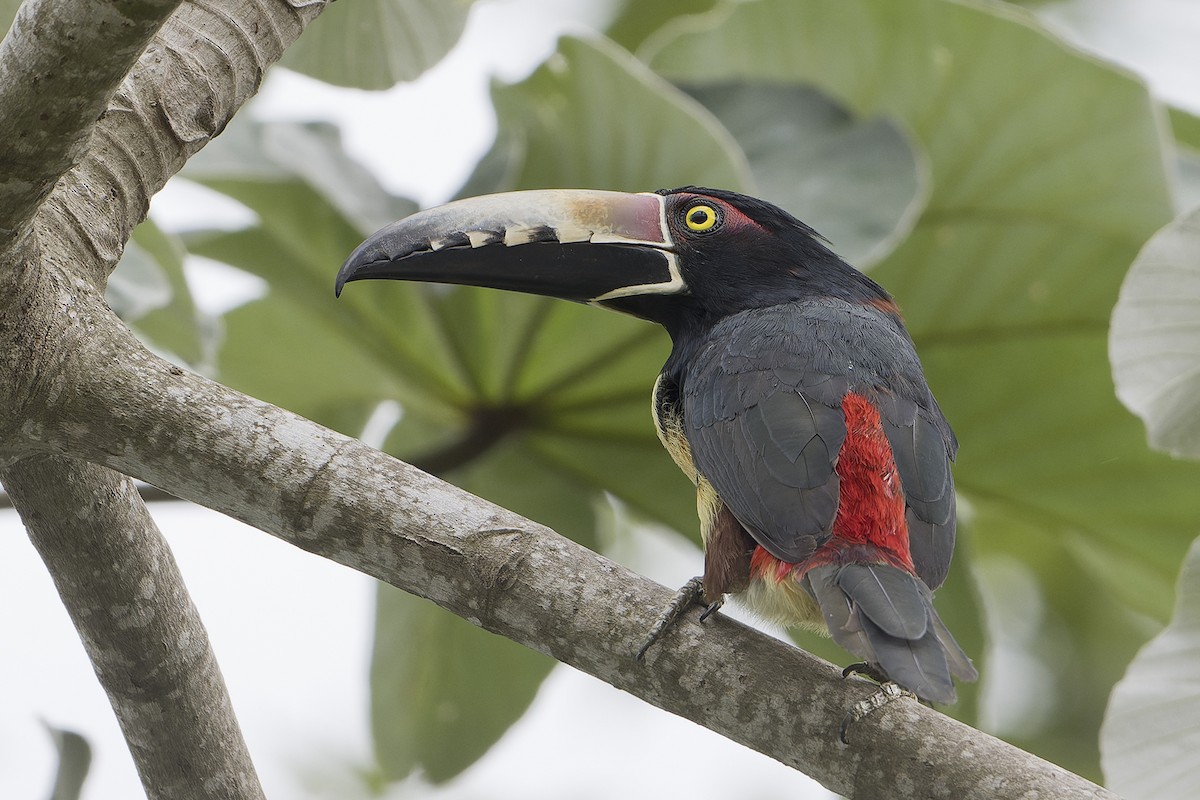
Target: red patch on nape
{"points": [[885, 304], [870, 519]]}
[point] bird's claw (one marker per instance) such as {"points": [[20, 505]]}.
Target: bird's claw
{"points": [[888, 691], [690, 594], [712, 608], [865, 669]]}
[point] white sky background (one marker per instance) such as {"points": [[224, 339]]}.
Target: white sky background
{"points": [[292, 631]]}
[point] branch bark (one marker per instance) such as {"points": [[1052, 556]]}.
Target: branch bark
{"points": [[119, 582], [203, 65], [340, 499], [59, 66], [79, 386]]}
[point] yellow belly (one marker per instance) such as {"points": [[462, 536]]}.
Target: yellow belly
{"points": [[784, 603]]}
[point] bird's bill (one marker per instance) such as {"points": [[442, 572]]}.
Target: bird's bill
{"points": [[576, 244]]}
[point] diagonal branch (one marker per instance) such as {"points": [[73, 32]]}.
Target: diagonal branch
{"points": [[119, 582], [86, 389], [148, 493], [204, 64], [340, 499], [59, 65]]}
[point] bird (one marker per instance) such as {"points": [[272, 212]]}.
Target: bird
{"points": [[793, 399]]}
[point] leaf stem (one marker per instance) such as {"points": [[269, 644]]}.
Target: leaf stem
{"points": [[487, 428]]}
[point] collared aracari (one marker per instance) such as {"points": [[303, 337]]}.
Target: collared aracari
{"points": [[793, 397]]}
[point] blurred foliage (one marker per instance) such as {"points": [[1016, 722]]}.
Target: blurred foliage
{"points": [[1152, 727], [857, 182], [997, 182], [8, 11], [1155, 343], [149, 291], [374, 44], [637, 20], [442, 690], [1186, 128], [74, 763]]}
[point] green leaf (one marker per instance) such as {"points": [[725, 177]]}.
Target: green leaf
{"points": [[395, 328], [1047, 175], [305, 201], [442, 690], [375, 44], [1155, 344], [149, 291], [8, 12], [500, 167], [560, 127], [273, 350], [635, 469], [138, 285], [1077, 636], [858, 183], [310, 153], [975, 104], [638, 20], [571, 512], [1152, 726], [1186, 127]]}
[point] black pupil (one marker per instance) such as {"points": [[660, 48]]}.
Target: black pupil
{"points": [[699, 217]]}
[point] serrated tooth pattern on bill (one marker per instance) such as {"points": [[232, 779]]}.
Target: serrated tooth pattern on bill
{"points": [[482, 238], [570, 234], [520, 234]]}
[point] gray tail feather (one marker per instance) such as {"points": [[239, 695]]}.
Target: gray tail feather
{"points": [[885, 616]]}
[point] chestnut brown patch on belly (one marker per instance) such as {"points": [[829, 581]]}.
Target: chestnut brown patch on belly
{"points": [[727, 552]]}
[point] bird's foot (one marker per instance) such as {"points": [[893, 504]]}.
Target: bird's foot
{"points": [[691, 593], [867, 670], [888, 691]]}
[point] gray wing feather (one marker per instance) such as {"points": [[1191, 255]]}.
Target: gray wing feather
{"points": [[762, 413], [776, 478], [922, 453]]}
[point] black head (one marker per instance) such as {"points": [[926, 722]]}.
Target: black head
{"points": [[738, 252]]}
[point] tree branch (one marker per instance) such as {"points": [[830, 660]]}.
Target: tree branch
{"points": [[59, 65], [148, 493], [340, 499], [204, 64], [119, 582], [58, 68], [84, 388]]}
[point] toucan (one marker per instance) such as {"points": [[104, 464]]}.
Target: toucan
{"points": [[793, 397]]}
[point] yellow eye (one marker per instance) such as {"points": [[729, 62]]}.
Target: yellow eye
{"points": [[701, 218]]}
